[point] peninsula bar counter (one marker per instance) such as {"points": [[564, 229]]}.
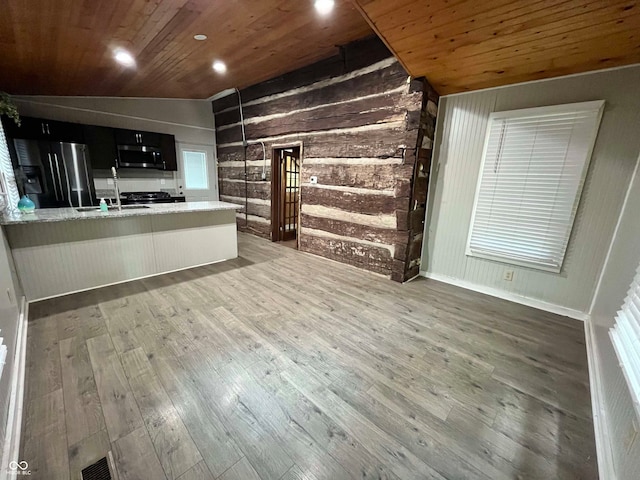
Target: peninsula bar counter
{"points": [[62, 250]]}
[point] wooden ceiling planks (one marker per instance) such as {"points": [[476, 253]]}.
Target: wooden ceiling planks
{"points": [[464, 45], [66, 48]]}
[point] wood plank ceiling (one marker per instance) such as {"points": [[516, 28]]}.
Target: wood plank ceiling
{"points": [[66, 48], [463, 45]]}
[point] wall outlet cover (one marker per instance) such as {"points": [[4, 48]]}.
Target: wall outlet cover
{"points": [[313, 180], [109, 181], [508, 275]]}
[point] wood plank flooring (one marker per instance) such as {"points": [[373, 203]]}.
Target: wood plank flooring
{"points": [[283, 365]]}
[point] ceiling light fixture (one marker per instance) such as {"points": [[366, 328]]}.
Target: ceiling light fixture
{"points": [[324, 7], [219, 66], [200, 37], [124, 58]]}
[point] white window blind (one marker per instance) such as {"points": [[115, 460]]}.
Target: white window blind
{"points": [[195, 170], [533, 168], [8, 188], [625, 336]]}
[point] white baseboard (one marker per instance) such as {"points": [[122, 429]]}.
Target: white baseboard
{"points": [[512, 297], [11, 449], [600, 421]]}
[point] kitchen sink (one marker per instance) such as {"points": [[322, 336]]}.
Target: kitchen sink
{"points": [[111, 208]]}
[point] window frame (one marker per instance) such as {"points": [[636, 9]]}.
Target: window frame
{"points": [[623, 335], [531, 112], [206, 168]]}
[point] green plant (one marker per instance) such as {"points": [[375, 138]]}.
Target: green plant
{"points": [[8, 108]]}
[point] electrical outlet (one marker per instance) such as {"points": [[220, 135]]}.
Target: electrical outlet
{"points": [[313, 180], [508, 275], [162, 181], [109, 181], [632, 435]]}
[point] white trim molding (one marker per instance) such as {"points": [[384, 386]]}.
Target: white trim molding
{"points": [[512, 297], [11, 449], [600, 422]]}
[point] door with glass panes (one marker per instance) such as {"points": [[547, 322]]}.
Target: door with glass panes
{"points": [[198, 179], [285, 193]]}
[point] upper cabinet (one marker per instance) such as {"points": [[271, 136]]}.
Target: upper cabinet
{"points": [[137, 137], [40, 129], [103, 142], [102, 146], [168, 146]]}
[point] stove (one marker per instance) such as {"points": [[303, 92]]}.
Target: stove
{"points": [[141, 198]]}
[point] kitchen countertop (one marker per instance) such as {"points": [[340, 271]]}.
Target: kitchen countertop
{"points": [[48, 215]]}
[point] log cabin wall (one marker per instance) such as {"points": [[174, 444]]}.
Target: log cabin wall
{"points": [[407, 263], [361, 124]]}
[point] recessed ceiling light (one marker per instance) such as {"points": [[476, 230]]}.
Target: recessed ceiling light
{"points": [[200, 37], [324, 7], [219, 66], [124, 58]]}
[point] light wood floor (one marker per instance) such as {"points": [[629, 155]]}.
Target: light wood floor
{"points": [[282, 365]]}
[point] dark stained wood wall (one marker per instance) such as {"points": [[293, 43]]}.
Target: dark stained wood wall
{"points": [[361, 123], [407, 263]]}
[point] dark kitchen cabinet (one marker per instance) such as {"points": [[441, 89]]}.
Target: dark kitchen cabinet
{"points": [[40, 129], [102, 142], [168, 146], [102, 146], [137, 137], [64, 132]]}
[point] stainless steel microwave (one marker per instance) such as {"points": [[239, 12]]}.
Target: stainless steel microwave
{"points": [[140, 156]]}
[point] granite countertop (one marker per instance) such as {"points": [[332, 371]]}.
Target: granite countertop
{"points": [[48, 215]]}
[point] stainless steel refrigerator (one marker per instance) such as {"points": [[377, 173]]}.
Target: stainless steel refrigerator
{"points": [[54, 174]]}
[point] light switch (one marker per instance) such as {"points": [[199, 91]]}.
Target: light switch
{"points": [[313, 180]]}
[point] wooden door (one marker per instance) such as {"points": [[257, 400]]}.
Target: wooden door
{"points": [[285, 193]]}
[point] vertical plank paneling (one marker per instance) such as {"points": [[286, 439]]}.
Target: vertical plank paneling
{"points": [[215, 239], [463, 120], [116, 250], [56, 258]]}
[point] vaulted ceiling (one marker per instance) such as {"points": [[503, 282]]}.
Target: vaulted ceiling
{"points": [[55, 47], [462, 45]]}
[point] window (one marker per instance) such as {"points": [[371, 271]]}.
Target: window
{"points": [[533, 168], [8, 188], [195, 170], [625, 336]]}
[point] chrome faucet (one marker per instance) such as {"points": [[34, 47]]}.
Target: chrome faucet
{"points": [[116, 190]]}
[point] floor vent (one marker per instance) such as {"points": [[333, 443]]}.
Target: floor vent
{"points": [[97, 471]]}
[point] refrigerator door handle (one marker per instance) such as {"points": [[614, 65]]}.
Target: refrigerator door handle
{"points": [[53, 175], [66, 174], [86, 174], [59, 177]]}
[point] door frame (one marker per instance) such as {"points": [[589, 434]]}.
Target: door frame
{"points": [[275, 183]]}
